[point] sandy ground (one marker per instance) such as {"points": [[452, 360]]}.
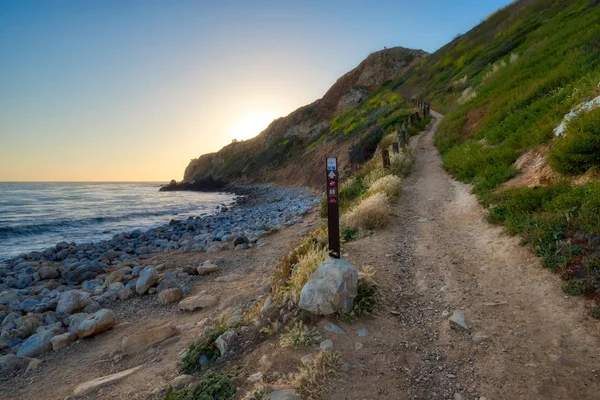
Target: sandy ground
{"points": [[527, 339]]}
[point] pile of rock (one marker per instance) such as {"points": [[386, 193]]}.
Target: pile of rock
{"points": [[50, 298]]}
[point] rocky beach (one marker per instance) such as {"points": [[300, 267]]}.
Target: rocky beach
{"points": [[50, 298]]}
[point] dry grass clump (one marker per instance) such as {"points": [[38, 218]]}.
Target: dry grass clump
{"points": [[387, 140], [371, 213], [467, 94], [314, 240], [401, 163], [300, 335], [313, 381], [368, 299], [258, 393], [390, 185], [374, 175], [309, 261]]}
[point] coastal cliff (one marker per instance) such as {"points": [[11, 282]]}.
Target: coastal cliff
{"points": [[302, 139]]}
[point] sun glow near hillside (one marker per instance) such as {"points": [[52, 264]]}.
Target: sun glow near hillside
{"points": [[251, 124]]}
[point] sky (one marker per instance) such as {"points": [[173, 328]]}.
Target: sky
{"points": [[131, 90]]}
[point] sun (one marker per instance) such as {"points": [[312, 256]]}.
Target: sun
{"points": [[251, 124]]}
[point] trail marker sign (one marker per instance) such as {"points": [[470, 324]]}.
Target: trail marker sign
{"points": [[333, 207]]}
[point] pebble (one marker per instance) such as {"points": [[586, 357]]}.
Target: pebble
{"points": [[326, 345], [458, 321], [334, 328]]}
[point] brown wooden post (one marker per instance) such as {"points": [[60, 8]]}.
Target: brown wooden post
{"points": [[333, 208], [401, 135], [395, 147], [385, 154]]}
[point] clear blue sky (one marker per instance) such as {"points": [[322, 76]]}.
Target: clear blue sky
{"points": [[132, 89]]}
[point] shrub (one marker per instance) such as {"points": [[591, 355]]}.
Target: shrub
{"points": [[299, 335], [366, 146], [401, 163], [390, 185], [372, 212], [577, 287], [316, 379], [373, 176], [349, 234], [596, 312], [387, 140], [206, 347], [212, 386], [467, 94], [579, 149]]}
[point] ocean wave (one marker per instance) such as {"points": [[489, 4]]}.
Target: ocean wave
{"points": [[59, 226]]}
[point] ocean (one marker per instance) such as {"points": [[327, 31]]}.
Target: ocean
{"points": [[35, 216]]}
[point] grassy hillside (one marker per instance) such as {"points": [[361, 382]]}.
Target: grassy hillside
{"points": [[505, 86]]}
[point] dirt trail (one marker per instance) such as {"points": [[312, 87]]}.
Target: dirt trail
{"points": [[439, 255]]}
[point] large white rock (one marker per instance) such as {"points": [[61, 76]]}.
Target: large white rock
{"points": [[148, 277], [331, 288], [195, 302], [101, 321], [144, 340], [72, 301]]}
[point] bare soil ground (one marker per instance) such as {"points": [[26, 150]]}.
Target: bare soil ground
{"points": [[527, 339]]}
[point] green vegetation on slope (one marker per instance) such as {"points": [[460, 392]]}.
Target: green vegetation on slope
{"points": [[505, 86]]}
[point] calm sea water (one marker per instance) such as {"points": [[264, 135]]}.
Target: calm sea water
{"points": [[35, 216]]}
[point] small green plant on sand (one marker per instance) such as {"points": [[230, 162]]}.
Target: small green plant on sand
{"points": [[212, 386], [272, 329], [596, 312], [204, 348], [300, 335]]}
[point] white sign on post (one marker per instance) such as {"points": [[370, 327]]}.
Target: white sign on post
{"points": [[331, 164]]}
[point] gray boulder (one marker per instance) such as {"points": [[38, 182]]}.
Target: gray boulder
{"points": [[37, 344], [101, 321], [331, 288], [72, 301], [84, 272], [170, 295], [13, 363], [75, 320], [48, 273], [7, 296], [148, 277]]}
